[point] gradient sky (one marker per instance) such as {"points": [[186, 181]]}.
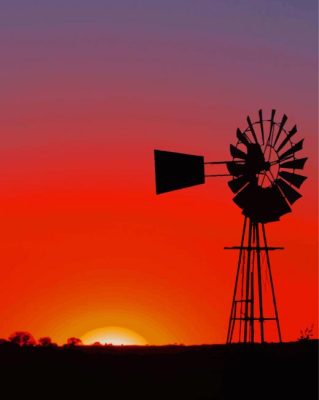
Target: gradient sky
{"points": [[88, 90]]}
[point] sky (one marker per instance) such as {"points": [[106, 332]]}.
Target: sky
{"points": [[88, 90]]}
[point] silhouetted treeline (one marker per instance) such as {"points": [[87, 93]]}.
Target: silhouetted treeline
{"points": [[23, 338]]}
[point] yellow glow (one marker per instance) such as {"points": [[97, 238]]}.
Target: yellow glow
{"points": [[113, 335]]}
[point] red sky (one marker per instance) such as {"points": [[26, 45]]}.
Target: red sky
{"points": [[87, 94]]}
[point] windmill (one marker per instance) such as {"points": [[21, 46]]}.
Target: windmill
{"points": [[264, 182]]}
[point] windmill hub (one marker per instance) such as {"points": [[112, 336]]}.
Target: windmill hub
{"points": [[255, 161], [256, 166], [267, 166]]}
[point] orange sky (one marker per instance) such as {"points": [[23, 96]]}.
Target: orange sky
{"points": [[84, 241]]}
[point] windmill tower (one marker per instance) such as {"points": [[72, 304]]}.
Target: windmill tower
{"points": [[265, 182]]}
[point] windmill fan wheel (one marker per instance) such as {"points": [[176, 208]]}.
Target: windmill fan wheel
{"points": [[263, 168]]}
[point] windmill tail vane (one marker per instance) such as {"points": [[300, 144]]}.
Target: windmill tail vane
{"points": [[263, 178]]}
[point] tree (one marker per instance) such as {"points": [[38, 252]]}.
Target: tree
{"points": [[46, 341], [73, 341], [22, 338]]}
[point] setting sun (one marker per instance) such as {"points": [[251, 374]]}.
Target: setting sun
{"points": [[113, 335]]}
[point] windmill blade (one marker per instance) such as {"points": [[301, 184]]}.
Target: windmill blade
{"points": [[262, 204], [294, 179], [273, 112], [281, 127], [292, 150], [237, 183], [252, 130], [236, 153], [236, 169], [294, 164], [246, 198], [241, 136], [288, 137], [272, 123], [175, 171], [290, 193], [272, 204], [261, 126]]}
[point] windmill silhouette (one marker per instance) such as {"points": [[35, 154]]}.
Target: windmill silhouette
{"points": [[265, 182]]}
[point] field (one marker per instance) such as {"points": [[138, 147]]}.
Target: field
{"points": [[270, 371]]}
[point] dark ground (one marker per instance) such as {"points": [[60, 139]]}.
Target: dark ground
{"points": [[270, 371]]}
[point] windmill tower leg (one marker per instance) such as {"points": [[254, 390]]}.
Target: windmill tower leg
{"points": [[271, 283], [260, 288], [247, 317], [233, 312], [248, 323]]}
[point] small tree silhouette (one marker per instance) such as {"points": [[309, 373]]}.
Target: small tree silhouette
{"points": [[46, 341], [306, 334], [73, 341], [22, 338]]}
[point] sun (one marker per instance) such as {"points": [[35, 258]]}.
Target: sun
{"points": [[114, 335]]}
